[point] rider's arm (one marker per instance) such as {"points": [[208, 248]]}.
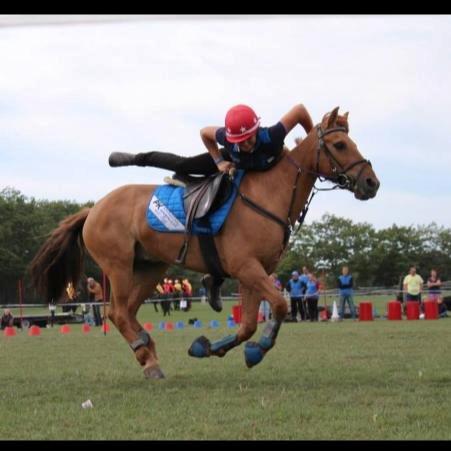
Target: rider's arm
{"points": [[297, 115], [208, 135]]}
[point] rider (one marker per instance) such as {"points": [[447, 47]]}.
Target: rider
{"points": [[246, 145]]}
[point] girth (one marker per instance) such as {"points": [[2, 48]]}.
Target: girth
{"points": [[201, 197]]}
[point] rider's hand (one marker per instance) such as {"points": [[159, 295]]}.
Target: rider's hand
{"points": [[225, 166]]}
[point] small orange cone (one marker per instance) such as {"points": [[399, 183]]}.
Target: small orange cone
{"points": [[148, 326], [169, 326], [9, 332], [64, 329], [34, 331], [86, 328], [105, 327]]}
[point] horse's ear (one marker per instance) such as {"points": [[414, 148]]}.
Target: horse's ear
{"points": [[333, 117], [346, 115]]}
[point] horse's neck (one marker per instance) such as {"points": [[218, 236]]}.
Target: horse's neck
{"points": [[273, 189], [304, 156]]}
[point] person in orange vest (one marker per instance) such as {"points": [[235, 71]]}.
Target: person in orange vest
{"points": [[187, 293]]}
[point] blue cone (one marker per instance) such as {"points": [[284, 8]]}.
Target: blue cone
{"points": [[231, 324], [214, 323], [179, 325], [161, 325], [197, 324]]}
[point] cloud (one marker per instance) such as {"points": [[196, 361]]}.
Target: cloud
{"points": [[69, 95]]}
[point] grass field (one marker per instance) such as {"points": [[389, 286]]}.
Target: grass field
{"points": [[350, 380]]}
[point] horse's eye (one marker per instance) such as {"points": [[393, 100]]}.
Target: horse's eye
{"points": [[340, 145]]}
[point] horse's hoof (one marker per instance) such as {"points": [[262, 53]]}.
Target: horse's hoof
{"points": [[201, 347], [253, 354], [153, 372]]}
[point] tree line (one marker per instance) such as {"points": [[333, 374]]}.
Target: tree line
{"points": [[376, 257]]}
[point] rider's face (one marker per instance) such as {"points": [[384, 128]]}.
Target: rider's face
{"points": [[248, 145]]}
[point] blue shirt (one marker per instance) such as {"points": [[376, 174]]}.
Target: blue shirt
{"points": [[304, 278], [345, 285], [312, 288], [295, 288], [266, 153]]}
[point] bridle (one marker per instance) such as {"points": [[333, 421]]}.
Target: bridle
{"points": [[339, 177]]}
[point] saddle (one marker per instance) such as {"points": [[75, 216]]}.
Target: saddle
{"points": [[203, 195]]}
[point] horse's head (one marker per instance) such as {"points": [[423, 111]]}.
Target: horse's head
{"points": [[339, 160]]}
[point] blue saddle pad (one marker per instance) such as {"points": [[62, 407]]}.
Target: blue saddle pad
{"points": [[166, 212]]}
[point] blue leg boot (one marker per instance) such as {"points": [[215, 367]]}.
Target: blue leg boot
{"points": [[201, 347]]}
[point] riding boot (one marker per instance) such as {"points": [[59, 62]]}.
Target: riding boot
{"points": [[156, 159], [212, 286]]}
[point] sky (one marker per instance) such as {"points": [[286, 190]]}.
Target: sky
{"points": [[71, 94]]}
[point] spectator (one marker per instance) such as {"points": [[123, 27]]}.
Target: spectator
{"points": [[52, 310], [295, 288], [434, 285], [178, 293], [159, 294], [167, 295], [7, 319], [72, 296], [96, 297], [412, 286], [312, 296], [304, 280], [187, 292], [345, 284]]}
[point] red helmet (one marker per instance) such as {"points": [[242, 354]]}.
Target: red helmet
{"points": [[241, 123]]}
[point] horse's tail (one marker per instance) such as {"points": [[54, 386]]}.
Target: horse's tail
{"points": [[60, 258]]}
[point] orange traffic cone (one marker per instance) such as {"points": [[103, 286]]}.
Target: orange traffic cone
{"points": [[169, 326], [34, 331], [86, 328], [9, 331], [105, 327], [148, 326]]}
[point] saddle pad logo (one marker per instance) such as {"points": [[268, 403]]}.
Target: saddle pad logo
{"points": [[165, 216]]}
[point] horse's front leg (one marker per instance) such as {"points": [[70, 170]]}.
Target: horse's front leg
{"points": [[202, 347], [263, 285]]}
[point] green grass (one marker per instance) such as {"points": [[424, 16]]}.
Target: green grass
{"points": [[348, 380]]}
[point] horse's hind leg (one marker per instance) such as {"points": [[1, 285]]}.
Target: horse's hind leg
{"points": [[145, 280], [124, 287]]}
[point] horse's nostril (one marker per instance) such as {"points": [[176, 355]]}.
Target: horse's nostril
{"points": [[371, 182]]}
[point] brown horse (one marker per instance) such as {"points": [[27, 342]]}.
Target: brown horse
{"points": [[250, 245]]}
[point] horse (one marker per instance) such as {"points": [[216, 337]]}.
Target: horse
{"points": [[250, 244]]}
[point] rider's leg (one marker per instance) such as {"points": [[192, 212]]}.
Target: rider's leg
{"points": [[202, 164]]}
